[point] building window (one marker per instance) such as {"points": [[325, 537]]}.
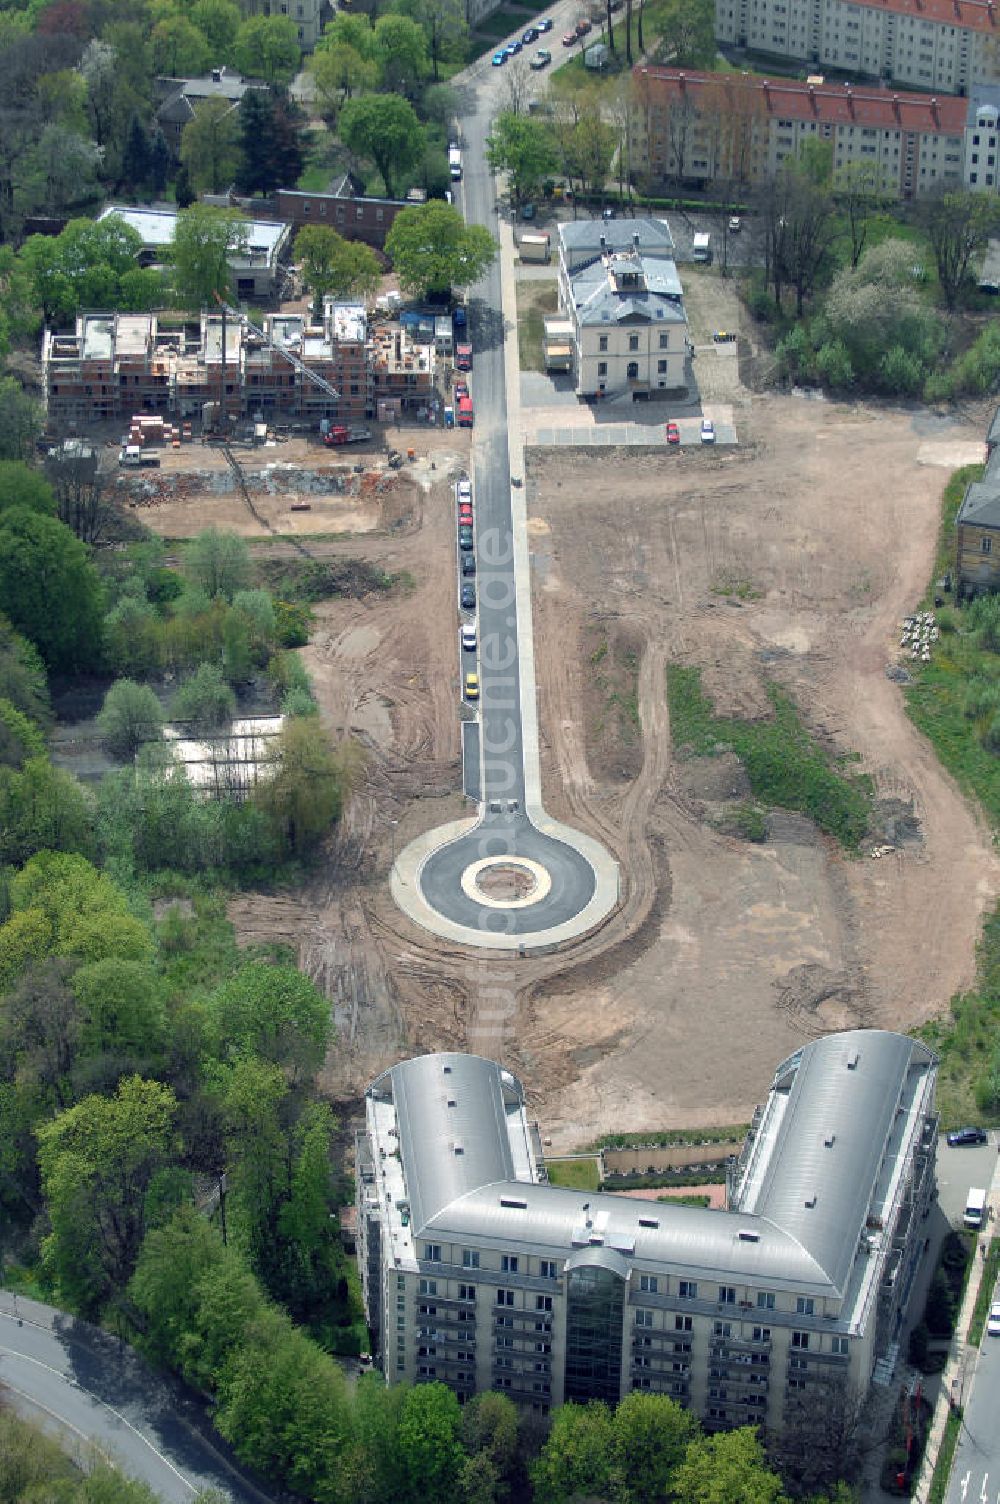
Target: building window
{"points": [[428, 1287], [602, 342], [804, 1305], [470, 1258], [602, 368], [633, 342], [761, 1334], [765, 1300], [661, 367], [727, 1295], [723, 1329], [840, 1346], [432, 1253], [643, 1318], [632, 371], [505, 1297], [548, 1269], [508, 1263], [682, 1323], [543, 1302], [687, 1289], [800, 1340], [648, 1283], [664, 341], [986, 544], [467, 1292]]}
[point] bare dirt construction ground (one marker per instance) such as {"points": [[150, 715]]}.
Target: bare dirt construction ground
{"points": [[792, 559]]}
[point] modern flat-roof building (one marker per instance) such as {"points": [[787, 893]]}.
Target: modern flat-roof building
{"points": [[116, 364], [479, 1273], [619, 289], [938, 45], [256, 269], [697, 127]]}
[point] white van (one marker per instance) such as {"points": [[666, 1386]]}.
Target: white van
{"points": [[455, 163], [975, 1208]]}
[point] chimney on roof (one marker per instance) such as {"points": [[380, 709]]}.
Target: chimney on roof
{"points": [[604, 242], [217, 75], [766, 86], [934, 110], [635, 239], [681, 81], [812, 99], [895, 106], [850, 100]]}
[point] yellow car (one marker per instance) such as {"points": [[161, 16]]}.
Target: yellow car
{"points": [[472, 686]]}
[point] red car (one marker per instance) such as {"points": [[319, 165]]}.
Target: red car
{"points": [[673, 433], [570, 39], [465, 516], [461, 390]]}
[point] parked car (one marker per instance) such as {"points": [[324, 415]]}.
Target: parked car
{"points": [[707, 431], [464, 491], [673, 433], [735, 224], [570, 39], [513, 48], [499, 58], [527, 211], [472, 686], [468, 564], [993, 1320], [465, 539], [469, 637], [961, 1138], [468, 597], [531, 35], [541, 59], [583, 26], [545, 24]]}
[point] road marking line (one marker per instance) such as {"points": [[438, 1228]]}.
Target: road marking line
{"points": [[75, 1384]]}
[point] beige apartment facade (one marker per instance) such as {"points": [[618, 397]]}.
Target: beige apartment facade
{"points": [[480, 1274], [944, 46], [307, 15], [700, 127]]}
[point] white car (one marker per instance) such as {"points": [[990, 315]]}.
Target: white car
{"points": [[993, 1320], [707, 431], [735, 225], [464, 489]]}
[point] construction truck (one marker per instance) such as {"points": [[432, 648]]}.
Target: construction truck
{"points": [[339, 433], [134, 457]]}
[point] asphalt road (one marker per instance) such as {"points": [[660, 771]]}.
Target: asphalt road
{"points": [[975, 1472], [85, 1386], [504, 828]]}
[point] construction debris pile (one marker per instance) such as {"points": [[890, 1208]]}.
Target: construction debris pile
{"points": [[918, 633]]}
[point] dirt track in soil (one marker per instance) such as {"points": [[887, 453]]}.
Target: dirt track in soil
{"points": [[724, 956]]}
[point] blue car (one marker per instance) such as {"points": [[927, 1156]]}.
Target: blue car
{"points": [[544, 25], [531, 35], [513, 48], [499, 58]]}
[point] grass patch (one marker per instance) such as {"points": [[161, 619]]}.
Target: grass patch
{"points": [[309, 580], [728, 582], [945, 1457], [785, 766], [614, 662], [535, 301], [577, 1174], [966, 1040], [977, 1324], [701, 1201]]}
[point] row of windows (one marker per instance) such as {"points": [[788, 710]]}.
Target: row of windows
{"points": [[510, 1263]]}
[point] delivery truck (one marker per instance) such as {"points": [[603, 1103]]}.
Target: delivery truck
{"points": [[535, 248], [337, 433], [455, 163], [465, 414]]}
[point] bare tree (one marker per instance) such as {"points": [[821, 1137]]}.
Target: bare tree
{"points": [[818, 1443], [80, 498], [958, 224], [857, 190]]}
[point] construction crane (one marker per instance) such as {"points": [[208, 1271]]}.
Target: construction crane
{"points": [[293, 360]]}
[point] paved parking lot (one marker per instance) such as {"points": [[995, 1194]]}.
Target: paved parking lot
{"points": [[614, 435]]}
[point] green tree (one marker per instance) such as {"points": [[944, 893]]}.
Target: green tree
{"points": [[217, 563], [98, 1160], [430, 1444], [958, 223], [167, 1286], [384, 129], [49, 590], [331, 264], [179, 49], [204, 241], [524, 148], [82, 266], [21, 420], [445, 27], [489, 1434], [275, 1013], [130, 716], [270, 141], [686, 33], [204, 702], [728, 1468], [340, 71], [305, 793], [121, 1008], [650, 1436], [401, 49], [268, 47], [210, 145], [20, 738], [22, 676], [432, 249], [576, 1457], [42, 808], [21, 486], [40, 1030], [218, 21]]}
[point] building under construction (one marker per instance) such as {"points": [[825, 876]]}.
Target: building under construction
{"points": [[115, 364]]}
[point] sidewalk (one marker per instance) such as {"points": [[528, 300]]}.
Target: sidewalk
{"points": [[960, 1370]]}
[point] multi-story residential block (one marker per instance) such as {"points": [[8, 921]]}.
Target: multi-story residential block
{"points": [[307, 15], [256, 268], [620, 292], [944, 46], [982, 138], [116, 364], [480, 1274], [704, 126]]}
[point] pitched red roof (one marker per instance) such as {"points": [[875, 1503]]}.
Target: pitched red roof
{"points": [[977, 15], [830, 104]]}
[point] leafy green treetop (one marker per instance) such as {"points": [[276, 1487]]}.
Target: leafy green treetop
{"points": [[433, 249]]}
